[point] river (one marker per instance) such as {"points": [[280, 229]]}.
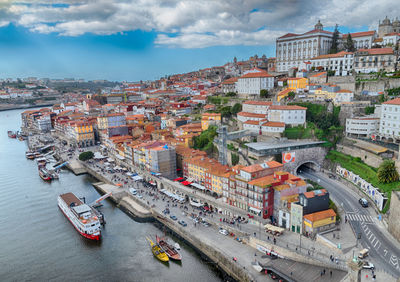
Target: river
{"points": [[37, 243]]}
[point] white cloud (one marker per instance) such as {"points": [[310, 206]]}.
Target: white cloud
{"points": [[193, 23]]}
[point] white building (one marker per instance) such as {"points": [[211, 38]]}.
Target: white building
{"points": [[293, 49], [362, 126], [252, 125], [253, 82], [391, 39], [341, 63], [290, 115], [256, 107], [362, 39], [272, 127], [374, 60], [245, 116], [43, 123], [389, 126]]}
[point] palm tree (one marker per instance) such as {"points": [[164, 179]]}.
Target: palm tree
{"points": [[387, 172]]}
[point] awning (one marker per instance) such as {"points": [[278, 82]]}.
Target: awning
{"points": [[198, 186], [186, 183], [179, 178], [155, 173], [129, 173], [255, 210], [110, 160], [106, 163], [257, 267]]}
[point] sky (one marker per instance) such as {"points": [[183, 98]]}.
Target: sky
{"points": [[135, 40]]}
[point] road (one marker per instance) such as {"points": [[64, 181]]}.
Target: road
{"points": [[384, 252]]}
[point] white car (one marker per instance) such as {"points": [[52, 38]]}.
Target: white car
{"points": [[133, 191], [223, 232], [368, 265], [139, 196]]}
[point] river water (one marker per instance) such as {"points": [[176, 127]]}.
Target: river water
{"points": [[37, 243]]}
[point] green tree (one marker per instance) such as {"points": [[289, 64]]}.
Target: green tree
{"points": [[226, 111], [387, 172], [86, 156], [291, 94], [235, 159], [369, 110], [264, 93], [331, 72], [236, 108], [349, 45], [335, 41], [230, 94]]}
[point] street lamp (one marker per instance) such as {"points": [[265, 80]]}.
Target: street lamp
{"points": [[300, 242]]}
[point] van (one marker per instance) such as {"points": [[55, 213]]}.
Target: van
{"points": [[363, 253]]}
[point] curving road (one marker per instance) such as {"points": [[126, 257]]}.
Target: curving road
{"points": [[384, 252]]}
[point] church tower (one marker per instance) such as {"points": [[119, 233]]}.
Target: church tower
{"points": [[319, 26]]}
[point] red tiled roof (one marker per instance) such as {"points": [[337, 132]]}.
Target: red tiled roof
{"points": [[320, 215], [247, 114], [261, 103], [274, 124], [337, 55], [393, 102], [360, 34], [254, 122], [256, 74], [377, 51], [288, 108], [231, 80]]}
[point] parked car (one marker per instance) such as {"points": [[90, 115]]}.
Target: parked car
{"points": [[363, 202], [181, 222], [133, 191], [139, 196], [223, 232], [205, 223], [368, 265], [173, 217]]}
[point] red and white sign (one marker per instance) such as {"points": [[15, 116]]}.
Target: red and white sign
{"points": [[288, 157]]}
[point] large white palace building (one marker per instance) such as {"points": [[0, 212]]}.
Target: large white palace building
{"points": [[293, 49]]}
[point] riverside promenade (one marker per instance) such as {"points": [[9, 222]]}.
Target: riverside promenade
{"points": [[217, 248]]}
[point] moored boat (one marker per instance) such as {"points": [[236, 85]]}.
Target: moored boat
{"points": [[157, 251], [171, 252], [30, 155], [81, 216], [44, 174], [12, 134]]}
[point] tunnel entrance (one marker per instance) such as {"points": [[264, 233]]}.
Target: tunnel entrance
{"points": [[308, 166]]}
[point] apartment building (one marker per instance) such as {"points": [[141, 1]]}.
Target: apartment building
{"points": [[389, 126], [251, 83], [290, 115], [374, 60], [341, 63], [363, 127]]}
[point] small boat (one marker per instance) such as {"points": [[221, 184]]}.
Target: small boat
{"points": [[177, 246], [158, 251], [41, 161], [30, 155], [12, 134], [171, 252], [38, 155], [44, 174]]}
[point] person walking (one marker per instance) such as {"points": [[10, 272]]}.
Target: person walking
{"points": [[331, 273]]}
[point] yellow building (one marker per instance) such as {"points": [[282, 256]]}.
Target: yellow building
{"points": [[210, 118], [82, 133], [283, 94], [319, 221], [295, 83]]}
